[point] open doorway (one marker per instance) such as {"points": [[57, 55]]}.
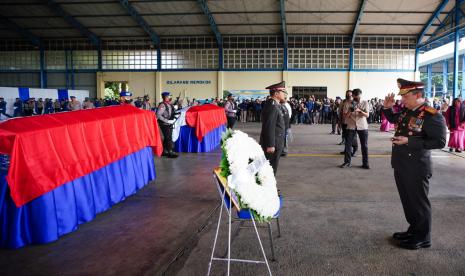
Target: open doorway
{"points": [[113, 88]]}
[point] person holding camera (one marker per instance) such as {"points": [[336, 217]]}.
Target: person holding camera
{"points": [[356, 119], [420, 128]]}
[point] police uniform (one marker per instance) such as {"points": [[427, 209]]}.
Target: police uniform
{"points": [[3, 108], [125, 98], [287, 126], [426, 130], [231, 109], [29, 107], [166, 118], [273, 127]]}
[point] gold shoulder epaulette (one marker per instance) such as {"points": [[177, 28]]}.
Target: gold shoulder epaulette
{"points": [[431, 110]]}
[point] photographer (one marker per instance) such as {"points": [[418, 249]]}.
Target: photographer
{"points": [[356, 120]]}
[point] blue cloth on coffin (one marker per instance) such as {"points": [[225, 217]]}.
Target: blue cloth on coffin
{"points": [[245, 214], [61, 211], [187, 141]]}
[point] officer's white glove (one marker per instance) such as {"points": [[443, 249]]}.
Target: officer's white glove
{"points": [[171, 121], [234, 110]]}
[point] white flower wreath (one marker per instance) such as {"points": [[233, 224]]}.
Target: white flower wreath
{"points": [[251, 175]]}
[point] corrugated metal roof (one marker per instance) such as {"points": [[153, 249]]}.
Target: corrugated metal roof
{"points": [[108, 18]]}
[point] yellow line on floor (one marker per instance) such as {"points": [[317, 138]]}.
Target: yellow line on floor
{"points": [[330, 155], [370, 155]]}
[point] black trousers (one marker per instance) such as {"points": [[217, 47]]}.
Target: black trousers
{"points": [[413, 191], [4, 113], [344, 137], [274, 157], [351, 136], [167, 131], [231, 121]]}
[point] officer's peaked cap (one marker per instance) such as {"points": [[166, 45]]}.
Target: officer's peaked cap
{"points": [[406, 86], [277, 86], [165, 94]]}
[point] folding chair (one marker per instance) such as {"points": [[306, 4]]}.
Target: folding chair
{"points": [[229, 201]]}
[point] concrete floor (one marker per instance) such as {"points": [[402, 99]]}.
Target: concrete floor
{"points": [[334, 221]]}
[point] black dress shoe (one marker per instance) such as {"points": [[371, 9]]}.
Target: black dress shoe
{"points": [[345, 165], [354, 154], [283, 154], [342, 152], [172, 155], [402, 236], [366, 167], [414, 244]]}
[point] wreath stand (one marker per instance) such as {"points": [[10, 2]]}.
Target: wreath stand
{"points": [[229, 200]]}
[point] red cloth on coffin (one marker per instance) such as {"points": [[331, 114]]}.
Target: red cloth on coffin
{"points": [[205, 118], [48, 151]]}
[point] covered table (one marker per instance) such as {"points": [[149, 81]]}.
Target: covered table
{"points": [[202, 130], [65, 168]]}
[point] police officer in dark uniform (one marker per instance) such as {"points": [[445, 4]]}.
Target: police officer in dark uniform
{"points": [[3, 108], [166, 119], [273, 127], [420, 129]]}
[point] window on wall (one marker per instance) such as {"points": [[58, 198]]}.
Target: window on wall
{"points": [[384, 59], [244, 42], [55, 60], [19, 60], [318, 58], [189, 59], [129, 60], [253, 58], [85, 59]]}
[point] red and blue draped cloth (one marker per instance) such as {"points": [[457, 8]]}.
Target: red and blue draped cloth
{"points": [[205, 124], [49, 150], [67, 167]]}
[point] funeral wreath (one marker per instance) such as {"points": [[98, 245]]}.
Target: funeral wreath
{"points": [[250, 176]]}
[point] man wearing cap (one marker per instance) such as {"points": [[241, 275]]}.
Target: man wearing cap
{"points": [[231, 109], [125, 97], [166, 119], [18, 108], [420, 129], [273, 128], [29, 107]]}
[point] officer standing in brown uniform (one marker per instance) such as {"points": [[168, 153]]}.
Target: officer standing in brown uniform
{"points": [[273, 127], [420, 129]]}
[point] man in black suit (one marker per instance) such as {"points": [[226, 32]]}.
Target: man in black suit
{"points": [[420, 129], [273, 127]]}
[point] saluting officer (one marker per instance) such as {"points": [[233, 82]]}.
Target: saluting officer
{"points": [[420, 129], [273, 127], [166, 119]]}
